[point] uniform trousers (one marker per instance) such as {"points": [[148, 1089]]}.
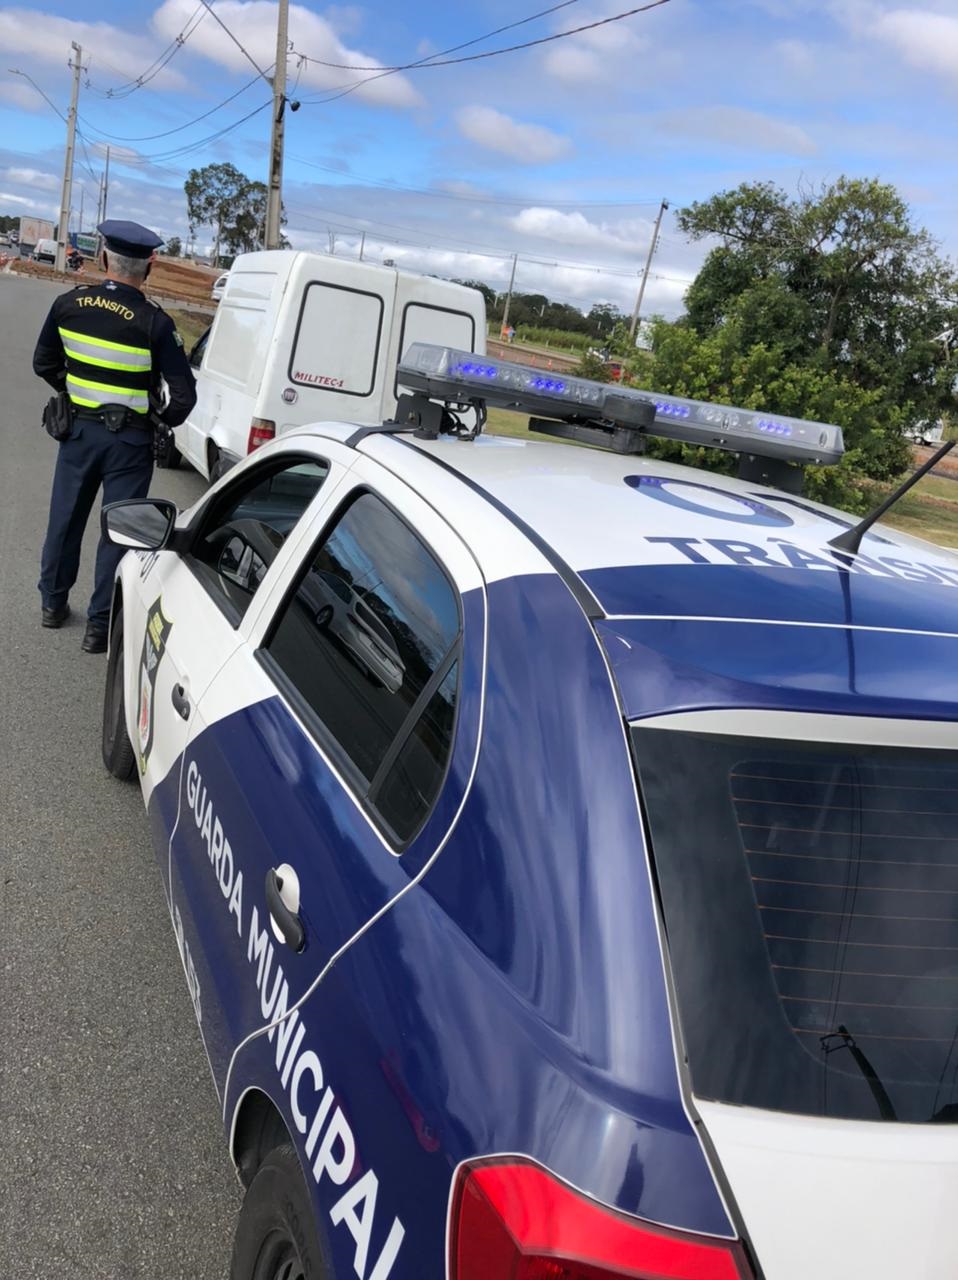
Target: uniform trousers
{"points": [[122, 463]]}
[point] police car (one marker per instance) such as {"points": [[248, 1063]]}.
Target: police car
{"points": [[590, 912]]}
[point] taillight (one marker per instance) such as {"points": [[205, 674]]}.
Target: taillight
{"points": [[515, 1221], [261, 431]]}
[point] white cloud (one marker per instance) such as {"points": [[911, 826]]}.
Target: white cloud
{"points": [[492, 129], [750, 130], [9, 198], [47, 38], [575, 229], [34, 178], [590, 55], [22, 95], [927, 40], [253, 22]]}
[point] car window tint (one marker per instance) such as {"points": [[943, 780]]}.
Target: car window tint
{"points": [[410, 784], [246, 526], [367, 641]]}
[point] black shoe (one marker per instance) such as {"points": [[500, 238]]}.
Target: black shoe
{"points": [[54, 617], [94, 639]]}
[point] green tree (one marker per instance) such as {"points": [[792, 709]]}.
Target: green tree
{"points": [[211, 196], [838, 281], [173, 247], [245, 229], [724, 367]]}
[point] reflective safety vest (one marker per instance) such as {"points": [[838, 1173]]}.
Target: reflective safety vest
{"points": [[106, 339]]}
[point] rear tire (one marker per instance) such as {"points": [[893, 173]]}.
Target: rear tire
{"points": [[118, 754], [276, 1235], [218, 467]]}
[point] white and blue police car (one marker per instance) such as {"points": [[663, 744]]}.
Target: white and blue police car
{"points": [[561, 845]]}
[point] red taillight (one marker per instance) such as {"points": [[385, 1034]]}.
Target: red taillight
{"points": [[261, 431], [515, 1221]]}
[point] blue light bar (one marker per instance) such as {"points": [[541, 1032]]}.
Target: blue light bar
{"points": [[445, 373]]}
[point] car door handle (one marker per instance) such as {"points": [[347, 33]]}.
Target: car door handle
{"points": [[288, 922], [180, 701]]}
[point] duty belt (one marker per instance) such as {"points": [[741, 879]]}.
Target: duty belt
{"points": [[114, 417]]}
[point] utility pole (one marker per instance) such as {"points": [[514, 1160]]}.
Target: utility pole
{"points": [[274, 196], [106, 183], [82, 196], [645, 274], [362, 245], [63, 226], [505, 310]]}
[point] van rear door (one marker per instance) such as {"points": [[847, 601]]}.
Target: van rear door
{"points": [[328, 357]]}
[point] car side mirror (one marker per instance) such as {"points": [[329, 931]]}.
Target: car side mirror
{"points": [[140, 524]]}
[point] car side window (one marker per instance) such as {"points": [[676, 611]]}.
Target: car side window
{"points": [[244, 528], [367, 647]]}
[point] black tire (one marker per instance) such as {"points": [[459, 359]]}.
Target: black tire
{"points": [[218, 466], [118, 754], [168, 457], [276, 1235], [325, 616]]}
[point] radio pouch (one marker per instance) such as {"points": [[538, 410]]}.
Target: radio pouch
{"points": [[58, 416]]}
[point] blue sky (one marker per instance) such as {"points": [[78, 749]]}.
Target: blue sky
{"points": [[559, 153]]}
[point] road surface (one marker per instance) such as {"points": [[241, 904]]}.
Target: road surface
{"points": [[113, 1162]]}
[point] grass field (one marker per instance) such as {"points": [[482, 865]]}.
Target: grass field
{"points": [[190, 325], [929, 511]]}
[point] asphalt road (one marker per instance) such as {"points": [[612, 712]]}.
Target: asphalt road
{"points": [[113, 1163]]}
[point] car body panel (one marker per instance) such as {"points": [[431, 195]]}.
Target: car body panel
{"points": [[502, 985]]}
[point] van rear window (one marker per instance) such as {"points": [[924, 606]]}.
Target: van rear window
{"points": [[336, 347], [810, 898]]}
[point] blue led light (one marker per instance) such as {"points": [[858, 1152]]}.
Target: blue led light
{"points": [[773, 428], [479, 370], [671, 410], [548, 384]]}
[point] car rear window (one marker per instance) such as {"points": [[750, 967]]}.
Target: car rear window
{"points": [[810, 898]]}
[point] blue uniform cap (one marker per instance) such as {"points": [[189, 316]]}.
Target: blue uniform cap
{"points": [[128, 238]]}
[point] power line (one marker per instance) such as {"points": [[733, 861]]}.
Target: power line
{"points": [[343, 221], [151, 137], [189, 147], [475, 199], [239, 46], [50, 103], [345, 66], [438, 61], [158, 63]]}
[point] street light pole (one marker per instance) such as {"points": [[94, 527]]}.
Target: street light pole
{"points": [[645, 274], [512, 280], [274, 196], [66, 192]]}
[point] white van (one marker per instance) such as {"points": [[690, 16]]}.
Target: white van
{"points": [[45, 251], [302, 337]]}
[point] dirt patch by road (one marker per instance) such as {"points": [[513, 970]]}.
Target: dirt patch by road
{"points": [[948, 465]]}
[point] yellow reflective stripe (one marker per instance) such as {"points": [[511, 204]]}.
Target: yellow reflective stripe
{"points": [[101, 364], [98, 404], [102, 342], [133, 392]]}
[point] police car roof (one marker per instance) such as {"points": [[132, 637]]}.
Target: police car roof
{"points": [[605, 511]]}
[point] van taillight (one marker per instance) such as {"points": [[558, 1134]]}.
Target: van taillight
{"points": [[515, 1221], [261, 431]]}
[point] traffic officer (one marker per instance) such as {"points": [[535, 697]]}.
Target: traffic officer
{"points": [[108, 346]]}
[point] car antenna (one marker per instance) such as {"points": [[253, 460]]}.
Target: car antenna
{"points": [[850, 539]]}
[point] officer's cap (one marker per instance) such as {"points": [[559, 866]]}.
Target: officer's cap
{"points": [[128, 238]]}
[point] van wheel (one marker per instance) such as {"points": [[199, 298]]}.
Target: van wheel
{"points": [[118, 755], [276, 1236], [218, 467]]}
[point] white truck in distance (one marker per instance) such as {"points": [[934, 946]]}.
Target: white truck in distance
{"points": [[302, 337]]}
